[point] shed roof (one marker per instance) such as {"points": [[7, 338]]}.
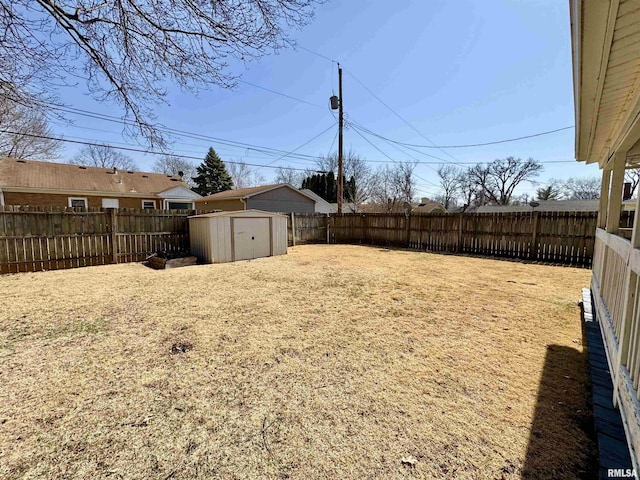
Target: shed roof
{"points": [[30, 174], [242, 193], [239, 213]]}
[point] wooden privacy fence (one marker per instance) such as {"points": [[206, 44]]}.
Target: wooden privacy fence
{"points": [[46, 238], [555, 237], [40, 238]]}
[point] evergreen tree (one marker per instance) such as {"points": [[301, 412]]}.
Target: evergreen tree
{"points": [[212, 175], [326, 185]]}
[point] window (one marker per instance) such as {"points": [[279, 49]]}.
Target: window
{"points": [[148, 204], [179, 205], [77, 202], [110, 203]]}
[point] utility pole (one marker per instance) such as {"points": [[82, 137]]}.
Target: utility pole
{"points": [[336, 102], [340, 123]]}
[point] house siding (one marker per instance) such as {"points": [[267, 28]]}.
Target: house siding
{"points": [[283, 200], [225, 205], [62, 200]]}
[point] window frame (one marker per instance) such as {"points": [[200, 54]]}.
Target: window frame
{"points": [[83, 199], [167, 202], [148, 201]]}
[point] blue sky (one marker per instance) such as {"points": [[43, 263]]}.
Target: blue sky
{"points": [[457, 72]]}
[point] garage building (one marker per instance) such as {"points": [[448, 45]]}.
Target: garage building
{"points": [[281, 198], [241, 235]]}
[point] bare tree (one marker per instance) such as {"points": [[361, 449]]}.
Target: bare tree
{"points": [[450, 183], [395, 184], [468, 189], [244, 176], [354, 166], [290, 176], [585, 188], [497, 181], [104, 157], [127, 50], [24, 132], [633, 177], [173, 165]]}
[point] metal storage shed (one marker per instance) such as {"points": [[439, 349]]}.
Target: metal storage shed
{"points": [[241, 235]]}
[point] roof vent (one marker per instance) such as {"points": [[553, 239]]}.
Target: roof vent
{"points": [[145, 176], [21, 161], [82, 168], [129, 171], [181, 174], [169, 176], [174, 180]]}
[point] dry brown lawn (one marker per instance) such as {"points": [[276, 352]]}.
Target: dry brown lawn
{"points": [[329, 362]]}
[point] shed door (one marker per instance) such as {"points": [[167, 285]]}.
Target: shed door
{"points": [[251, 238]]}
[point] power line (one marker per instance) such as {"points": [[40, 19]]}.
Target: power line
{"points": [[355, 127], [128, 149], [548, 132], [333, 142], [314, 53], [298, 148], [279, 93], [252, 147], [196, 136], [374, 146], [399, 116]]}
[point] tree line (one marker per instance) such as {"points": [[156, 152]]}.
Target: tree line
{"points": [[495, 183]]}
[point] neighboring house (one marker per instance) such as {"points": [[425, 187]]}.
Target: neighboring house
{"points": [[429, 206], [322, 206], [606, 70], [27, 182], [279, 198]]}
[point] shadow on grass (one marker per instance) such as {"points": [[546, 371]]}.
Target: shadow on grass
{"points": [[562, 438]]}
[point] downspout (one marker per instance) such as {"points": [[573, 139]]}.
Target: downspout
{"points": [[244, 203], [1, 198]]}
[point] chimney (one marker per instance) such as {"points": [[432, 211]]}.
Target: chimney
{"points": [[115, 171], [626, 192], [424, 200], [181, 174]]}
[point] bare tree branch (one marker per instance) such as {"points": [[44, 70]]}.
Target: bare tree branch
{"points": [[104, 157], [173, 165], [128, 51], [29, 123], [244, 176]]}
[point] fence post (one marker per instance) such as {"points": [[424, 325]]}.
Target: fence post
{"points": [[113, 230], [408, 216], [533, 253], [459, 246], [293, 229], [327, 227]]}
